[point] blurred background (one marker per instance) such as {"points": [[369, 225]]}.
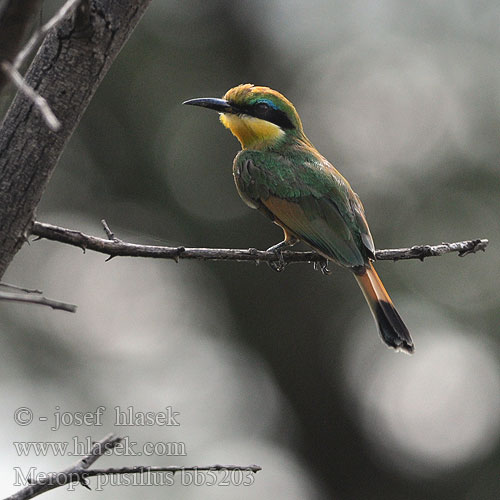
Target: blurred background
{"points": [[284, 370]]}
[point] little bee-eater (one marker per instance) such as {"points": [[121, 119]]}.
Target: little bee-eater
{"points": [[279, 172]]}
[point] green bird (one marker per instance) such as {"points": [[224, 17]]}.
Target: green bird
{"points": [[280, 173]]}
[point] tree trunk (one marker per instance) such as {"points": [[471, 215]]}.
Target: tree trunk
{"points": [[67, 70]]}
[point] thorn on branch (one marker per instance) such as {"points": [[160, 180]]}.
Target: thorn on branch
{"points": [[111, 236], [85, 483], [179, 251], [254, 251]]}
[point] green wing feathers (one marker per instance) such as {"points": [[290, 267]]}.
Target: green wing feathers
{"points": [[311, 199], [320, 224]]}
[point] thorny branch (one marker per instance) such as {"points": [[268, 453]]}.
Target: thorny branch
{"points": [[80, 471], [114, 247], [79, 475]]}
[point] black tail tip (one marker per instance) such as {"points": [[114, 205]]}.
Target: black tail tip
{"points": [[392, 329]]}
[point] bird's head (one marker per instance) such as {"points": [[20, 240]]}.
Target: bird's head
{"points": [[259, 117]]}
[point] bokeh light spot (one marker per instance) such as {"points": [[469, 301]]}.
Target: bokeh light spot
{"points": [[435, 410]]}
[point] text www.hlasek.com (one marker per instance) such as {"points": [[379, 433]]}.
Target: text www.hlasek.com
{"points": [[79, 447]]}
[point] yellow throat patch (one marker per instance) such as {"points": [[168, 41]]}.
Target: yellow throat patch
{"points": [[250, 131]]}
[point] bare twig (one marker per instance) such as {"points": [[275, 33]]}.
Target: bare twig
{"points": [[37, 37], [20, 288], [16, 20], [115, 247], [12, 69], [50, 118], [79, 472], [37, 299], [79, 475]]}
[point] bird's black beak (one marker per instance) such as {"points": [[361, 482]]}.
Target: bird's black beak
{"points": [[220, 105]]}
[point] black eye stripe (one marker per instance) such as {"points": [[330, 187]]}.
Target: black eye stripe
{"points": [[265, 112]]}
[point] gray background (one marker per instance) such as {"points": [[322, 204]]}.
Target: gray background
{"points": [[283, 370]]}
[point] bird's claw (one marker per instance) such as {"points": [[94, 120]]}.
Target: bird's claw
{"points": [[322, 266], [279, 264]]}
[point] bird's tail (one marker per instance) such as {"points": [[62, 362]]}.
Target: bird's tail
{"points": [[391, 327]]}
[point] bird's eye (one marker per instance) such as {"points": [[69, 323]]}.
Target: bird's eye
{"points": [[262, 106]]}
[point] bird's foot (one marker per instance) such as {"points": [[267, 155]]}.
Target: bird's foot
{"points": [[322, 266], [279, 264]]}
